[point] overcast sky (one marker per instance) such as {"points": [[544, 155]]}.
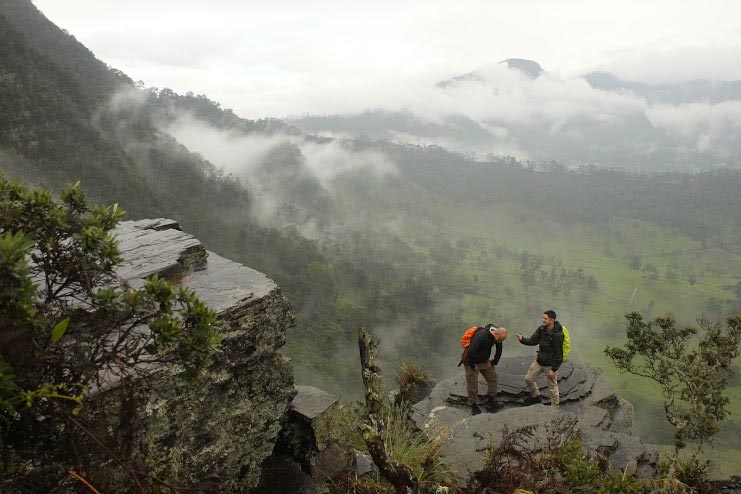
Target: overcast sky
{"points": [[280, 58]]}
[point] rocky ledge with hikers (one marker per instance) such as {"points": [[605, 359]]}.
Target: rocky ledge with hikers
{"points": [[589, 408]]}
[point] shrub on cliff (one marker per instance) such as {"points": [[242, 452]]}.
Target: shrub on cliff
{"points": [[68, 324]]}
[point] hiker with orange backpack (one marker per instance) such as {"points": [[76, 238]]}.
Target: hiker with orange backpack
{"points": [[476, 355], [550, 340]]}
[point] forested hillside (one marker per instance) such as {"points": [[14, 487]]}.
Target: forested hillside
{"points": [[414, 243]]}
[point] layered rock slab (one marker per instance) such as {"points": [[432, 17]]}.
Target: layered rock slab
{"points": [[227, 424]]}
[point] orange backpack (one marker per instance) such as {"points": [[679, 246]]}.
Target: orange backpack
{"points": [[466, 341]]}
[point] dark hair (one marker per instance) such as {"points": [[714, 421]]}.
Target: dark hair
{"points": [[551, 314]]}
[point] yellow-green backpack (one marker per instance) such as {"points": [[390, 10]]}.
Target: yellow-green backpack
{"points": [[566, 342]]}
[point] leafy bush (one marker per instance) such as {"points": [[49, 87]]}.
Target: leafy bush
{"points": [[692, 472], [560, 467], [68, 324], [692, 376]]}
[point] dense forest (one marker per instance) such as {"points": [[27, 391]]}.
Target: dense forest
{"points": [[415, 243]]}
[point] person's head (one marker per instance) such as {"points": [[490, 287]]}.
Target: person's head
{"points": [[549, 318], [499, 334]]}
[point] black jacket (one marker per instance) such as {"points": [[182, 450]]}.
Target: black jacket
{"points": [[550, 351], [479, 350]]}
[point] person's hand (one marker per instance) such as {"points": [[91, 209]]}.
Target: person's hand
{"points": [[551, 373], [519, 336]]}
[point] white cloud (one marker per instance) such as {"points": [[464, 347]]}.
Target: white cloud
{"points": [[331, 160], [664, 63], [290, 57], [233, 152], [700, 123], [244, 155]]}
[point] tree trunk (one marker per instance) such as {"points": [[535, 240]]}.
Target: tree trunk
{"points": [[398, 474]]}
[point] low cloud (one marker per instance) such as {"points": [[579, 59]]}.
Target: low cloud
{"points": [[239, 154], [503, 111], [331, 160], [235, 153], [696, 119], [280, 169], [508, 96]]}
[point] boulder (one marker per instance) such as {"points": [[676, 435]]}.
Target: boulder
{"points": [[465, 450], [310, 436]]}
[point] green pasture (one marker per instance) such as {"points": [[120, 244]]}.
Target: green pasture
{"points": [[604, 251]]}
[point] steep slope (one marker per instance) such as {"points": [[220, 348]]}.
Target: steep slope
{"points": [[94, 78], [55, 128], [45, 121], [63, 121]]}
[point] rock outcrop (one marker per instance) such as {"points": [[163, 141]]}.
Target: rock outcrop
{"points": [[224, 427], [211, 436], [589, 409]]}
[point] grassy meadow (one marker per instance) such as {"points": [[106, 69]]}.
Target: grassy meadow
{"points": [[638, 265]]}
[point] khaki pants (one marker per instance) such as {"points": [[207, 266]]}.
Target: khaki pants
{"points": [[533, 372], [472, 381]]}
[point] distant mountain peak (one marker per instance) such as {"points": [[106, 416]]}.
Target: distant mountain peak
{"points": [[529, 67], [454, 81]]}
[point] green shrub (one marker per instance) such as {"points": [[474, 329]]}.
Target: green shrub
{"points": [[693, 472], [404, 443], [68, 324]]}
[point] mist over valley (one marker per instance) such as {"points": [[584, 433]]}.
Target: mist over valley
{"points": [[484, 195]]}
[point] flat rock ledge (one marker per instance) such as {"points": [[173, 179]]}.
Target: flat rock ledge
{"points": [[589, 409]]}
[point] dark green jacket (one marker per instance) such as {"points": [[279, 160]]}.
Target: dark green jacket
{"points": [[550, 350]]}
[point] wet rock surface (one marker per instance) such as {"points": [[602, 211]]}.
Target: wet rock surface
{"points": [[600, 417]]}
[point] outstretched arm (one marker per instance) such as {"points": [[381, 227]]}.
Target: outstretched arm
{"points": [[532, 341]]}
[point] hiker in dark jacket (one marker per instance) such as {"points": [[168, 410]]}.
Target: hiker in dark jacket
{"points": [[549, 338], [479, 353]]}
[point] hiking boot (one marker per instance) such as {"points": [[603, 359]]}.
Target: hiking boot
{"points": [[531, 400], [475, 410], [494, 407]]}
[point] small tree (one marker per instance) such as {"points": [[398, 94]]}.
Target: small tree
{"points": [[692, 376], [68, 324]]}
